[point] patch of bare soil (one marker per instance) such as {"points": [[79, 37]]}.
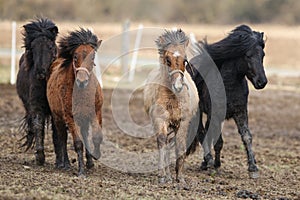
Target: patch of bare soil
{"points": [[274, 117]]}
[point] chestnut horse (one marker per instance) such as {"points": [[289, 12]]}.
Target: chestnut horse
{"points": [[171, 101], [75, 99], [40, 52]]}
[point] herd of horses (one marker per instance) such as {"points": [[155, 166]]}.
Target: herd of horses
{"points": [[57, 85]]}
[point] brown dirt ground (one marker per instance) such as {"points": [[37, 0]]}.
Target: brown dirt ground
{"points": [[274, 121]]}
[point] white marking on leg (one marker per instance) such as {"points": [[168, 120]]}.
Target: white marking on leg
{"points": [[222, 125]]}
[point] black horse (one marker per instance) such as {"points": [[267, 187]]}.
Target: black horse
{"points": [[40, 52], [237, 56]]}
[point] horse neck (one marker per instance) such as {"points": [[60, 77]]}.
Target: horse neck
{"points": [[69, 74], [234, 69], [28, 59]]}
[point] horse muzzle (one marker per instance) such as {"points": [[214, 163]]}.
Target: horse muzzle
{"points": [[41, 76], [177, 86], [177, 81], [259, 83], [82, 77]]}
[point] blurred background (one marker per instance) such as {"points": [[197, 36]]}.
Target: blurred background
{"points": [[279, 19], [156, 11]]}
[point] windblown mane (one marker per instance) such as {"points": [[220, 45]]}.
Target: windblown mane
{"points": [[39, 27], [236, 44], [170, 38], [68, 44]]}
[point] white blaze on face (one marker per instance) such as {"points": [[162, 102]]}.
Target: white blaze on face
{"points": [[178, 83], [176, 54]]}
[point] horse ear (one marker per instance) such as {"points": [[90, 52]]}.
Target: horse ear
{"points": [[186, 43], [99, 43], [54, 30]]}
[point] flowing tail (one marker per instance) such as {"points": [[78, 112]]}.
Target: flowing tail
{"points": [[29, 136], [192, 148], [192, 136]]}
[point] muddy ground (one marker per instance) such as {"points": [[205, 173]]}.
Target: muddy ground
{"points": [[274, 120]]}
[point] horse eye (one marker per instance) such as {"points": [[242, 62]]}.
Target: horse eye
{"points": [[75, 58], [168, 60]]}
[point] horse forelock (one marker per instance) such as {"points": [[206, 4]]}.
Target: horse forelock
{"points": [[38, 28], [68, 44], [169, 38]]}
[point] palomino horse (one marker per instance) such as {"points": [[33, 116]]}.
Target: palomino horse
{"points": [[75, 99], [237, 56], [171, 101], [40, 52]]}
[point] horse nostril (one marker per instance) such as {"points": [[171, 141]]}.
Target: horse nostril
{"points": [[262, 83], [81, 84], [259, 82]]}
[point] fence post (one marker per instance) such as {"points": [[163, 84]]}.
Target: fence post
{"points": [[135, 53], [125, 47], [98, 69], [13, 54]]}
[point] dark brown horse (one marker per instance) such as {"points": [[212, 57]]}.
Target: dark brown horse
{"points": [[171, 101], [75, 99], [40, 52]]}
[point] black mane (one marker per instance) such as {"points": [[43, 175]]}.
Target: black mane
{"points": [[68, 44], [39, 27], [236, 44]]}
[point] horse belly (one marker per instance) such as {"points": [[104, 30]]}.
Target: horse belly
{"points": [[22, 84], [54, 95]]}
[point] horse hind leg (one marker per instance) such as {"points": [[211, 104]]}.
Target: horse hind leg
{"points": [[205, 138], [218, 147]]}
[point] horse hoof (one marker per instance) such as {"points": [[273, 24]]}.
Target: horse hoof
{"points": [[90, 165], [181, 184], [67, 167], [217, 164], [165, 179], [203, 166], [81, 175], [40, 158], [254, 175], [59, 165]]}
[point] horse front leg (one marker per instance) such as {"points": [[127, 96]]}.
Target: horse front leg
{"points": [[180, 151], [241, 121], [164, 171], [205, 137], [60, 137], [38, 124], [78, 146]]}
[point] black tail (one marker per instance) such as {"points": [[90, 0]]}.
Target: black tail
{"points": [[192, 148], [29, 135], [192, 136]]}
